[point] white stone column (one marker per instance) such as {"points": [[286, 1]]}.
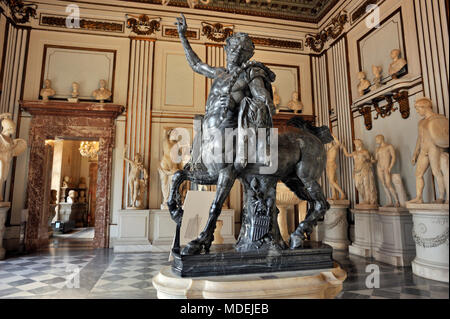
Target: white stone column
{"points": [[336, 225], [430, 234]]}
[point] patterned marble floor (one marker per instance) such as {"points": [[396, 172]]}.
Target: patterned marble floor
{"points": [[79, 272]]}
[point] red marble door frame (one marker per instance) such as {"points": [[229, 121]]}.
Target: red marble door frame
{"points": [[81, 121]]}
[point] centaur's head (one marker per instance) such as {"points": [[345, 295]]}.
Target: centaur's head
{"points": [[239, 48]]}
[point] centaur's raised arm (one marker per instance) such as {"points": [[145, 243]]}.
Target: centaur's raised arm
{"points": [[194, 61]]}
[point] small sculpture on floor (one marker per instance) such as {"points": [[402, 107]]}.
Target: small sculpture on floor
{"points": [[295, 104], [363, 173], [376, 70], [332, 153], [385, 158], [9, 147], [47, 91], [396, 68], [136, 184], [102, 93], [363, 84], [431, 150]]}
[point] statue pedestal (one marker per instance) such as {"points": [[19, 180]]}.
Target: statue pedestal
{"points": [[4, 207], [307, 284], [365, 220], [397, 246], [430, 233], [336, 225], [133, 231]]}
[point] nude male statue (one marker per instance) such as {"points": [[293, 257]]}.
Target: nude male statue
{"points": [[332, 153], [135, 183], [385, 158], [432, 149], [362, 173]]}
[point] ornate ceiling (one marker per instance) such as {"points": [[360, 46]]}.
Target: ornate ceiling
{"points": [[296, 10]]}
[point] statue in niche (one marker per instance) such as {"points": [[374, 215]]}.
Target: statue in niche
{"points": [[241, 98], [332, 153], [102, 93], [276, 98], [376, 70], [295, 104], [363, 84], [47, 91], [75, 92], [167, 167], [136, 184], [385, 158], [363, 173], [9, 147], [432, 149], [398, 66]]}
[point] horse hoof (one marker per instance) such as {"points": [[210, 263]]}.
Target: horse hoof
{"points": [[296, 241], [191, 249], [196, 246]]}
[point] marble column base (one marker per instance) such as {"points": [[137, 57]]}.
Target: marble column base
{"points": [[307, 284], [4, 207], [430, 234], [336, 225], [364, 241]]}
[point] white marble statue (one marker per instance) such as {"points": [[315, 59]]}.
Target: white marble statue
{"points": [[9, 147], [295, 104], [167, 167], [376, 71], [431, 150], [47, 90], [72, 198], [136, 184], [332, 153], [397, 63], [363, 84], [385, 158], [102, 93], [276, 98], [363, 173]]}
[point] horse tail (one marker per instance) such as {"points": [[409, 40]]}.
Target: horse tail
{"points": [[322, 132]]}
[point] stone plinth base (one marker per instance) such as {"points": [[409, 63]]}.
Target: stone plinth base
{"points": [[4, 207], [306, 284], [397, 246], [430, 234], [336, 225], [363, 244], [133, 232]]}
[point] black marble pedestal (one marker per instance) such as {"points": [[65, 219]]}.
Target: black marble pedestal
{"points": [[224, 260]]}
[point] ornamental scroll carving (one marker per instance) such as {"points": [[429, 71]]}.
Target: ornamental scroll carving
{"points": [[332, 30], [217, 32], [431, 242], [142, 25], [21, 12]]}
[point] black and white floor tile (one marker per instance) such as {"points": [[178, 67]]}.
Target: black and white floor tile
{"points": [[104, 275]]}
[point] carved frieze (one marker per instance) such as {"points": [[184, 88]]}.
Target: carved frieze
{"points": [[332, 31], [21, 12], [86, 24], [143, 24], [173, 33], [277, 43], [217, 32]]}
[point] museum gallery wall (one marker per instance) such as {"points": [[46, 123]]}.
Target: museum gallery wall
{"points": [[145, 71]]}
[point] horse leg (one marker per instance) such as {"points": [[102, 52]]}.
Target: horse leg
{"points": [[297, 187], [225, 182]]}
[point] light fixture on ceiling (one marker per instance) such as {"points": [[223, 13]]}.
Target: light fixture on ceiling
{"points": [[89, 149]]}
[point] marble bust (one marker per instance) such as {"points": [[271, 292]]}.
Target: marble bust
{"points": [[82, 197], [47, 90], [75, 92], [9, 147], [276, 98], [431, 150], [66, 181], [102, 93], [72, 197], [397, 64], [363, 84], [295, 104], [376, 71]]}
